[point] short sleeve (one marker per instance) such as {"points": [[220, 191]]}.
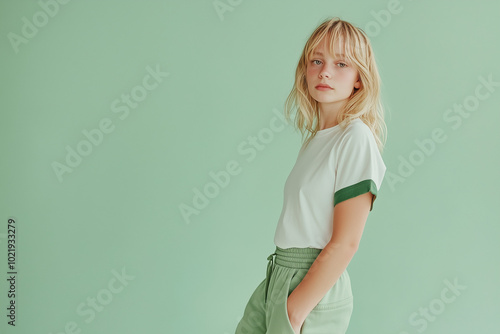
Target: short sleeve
{"points": [[359, 165]]}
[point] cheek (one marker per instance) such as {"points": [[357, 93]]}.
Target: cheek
{"points": [[347, 78], [353, 76], [309, 74]]}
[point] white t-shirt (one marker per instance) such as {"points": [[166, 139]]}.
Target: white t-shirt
{"points": [[338, 164]]}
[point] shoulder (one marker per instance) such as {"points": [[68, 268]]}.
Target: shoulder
{"points": [[357, 131]]}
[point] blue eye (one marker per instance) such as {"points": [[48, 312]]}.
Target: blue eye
{"points": [[313, 61]]}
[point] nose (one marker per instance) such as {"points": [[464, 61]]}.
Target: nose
{"points": [[325, 72]]}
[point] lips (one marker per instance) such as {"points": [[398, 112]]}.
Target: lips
{"points": [[323, 86]]}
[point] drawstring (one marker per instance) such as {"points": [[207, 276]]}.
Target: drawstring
{"points": [[270, 267]]}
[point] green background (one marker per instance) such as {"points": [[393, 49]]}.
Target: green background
{"points": [[120, 208]]}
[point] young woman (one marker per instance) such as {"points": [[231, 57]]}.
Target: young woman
{"points": [[330, 190]]}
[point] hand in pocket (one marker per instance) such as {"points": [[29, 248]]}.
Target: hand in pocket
{"points": [[296, 326]]}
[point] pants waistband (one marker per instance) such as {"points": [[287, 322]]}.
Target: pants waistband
{"points": [[297, 258]]}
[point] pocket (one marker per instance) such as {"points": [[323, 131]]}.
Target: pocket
{"points": [[287, 318], [278, 321], [333, 313], [332, 318], [339, 294]]}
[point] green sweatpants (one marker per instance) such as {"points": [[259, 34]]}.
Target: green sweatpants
{"points": [[266, 312]]}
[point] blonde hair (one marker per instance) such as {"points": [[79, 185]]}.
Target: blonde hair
{"points": [[364, 103]]}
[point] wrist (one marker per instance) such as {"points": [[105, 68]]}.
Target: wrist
{"points": [[295, 315]]}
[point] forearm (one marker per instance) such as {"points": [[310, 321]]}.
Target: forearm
{"points": [[321, 276]]}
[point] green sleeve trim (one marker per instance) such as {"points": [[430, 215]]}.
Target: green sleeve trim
{"points": [[355, 190]]}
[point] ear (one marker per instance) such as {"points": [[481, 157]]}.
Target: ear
{"points": [[357, 84]]}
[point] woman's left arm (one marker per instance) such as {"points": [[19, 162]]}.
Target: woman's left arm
{"points": [[348, 224]]}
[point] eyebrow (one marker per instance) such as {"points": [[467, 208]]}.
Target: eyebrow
{"points": [[321, 54]]}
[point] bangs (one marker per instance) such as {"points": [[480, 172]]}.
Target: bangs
{"points": [[338, 34]]}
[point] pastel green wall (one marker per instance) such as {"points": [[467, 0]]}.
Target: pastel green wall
{"points": [[228, 77]]}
